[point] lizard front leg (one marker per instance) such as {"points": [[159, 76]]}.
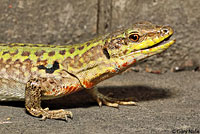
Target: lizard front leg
{"points": [[109, 101], [33, 94]]}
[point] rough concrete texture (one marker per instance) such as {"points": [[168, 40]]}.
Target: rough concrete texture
{"points": [[47, 22], [167, 102]]}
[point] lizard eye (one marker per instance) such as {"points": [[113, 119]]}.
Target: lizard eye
{"points": [[134, 37]]}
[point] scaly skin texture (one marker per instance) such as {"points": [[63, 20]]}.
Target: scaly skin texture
{"points": [[49, 71]]}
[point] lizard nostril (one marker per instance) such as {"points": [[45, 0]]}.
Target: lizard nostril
{"points": [[165, 30]]}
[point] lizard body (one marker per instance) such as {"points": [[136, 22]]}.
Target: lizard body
{"points": [[32, 72]]}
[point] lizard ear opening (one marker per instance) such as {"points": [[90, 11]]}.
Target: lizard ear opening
{"points": [[105, 51]]}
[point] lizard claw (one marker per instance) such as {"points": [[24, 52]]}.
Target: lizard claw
{"points": [[46, 109], [43, 118], [70, 115]]}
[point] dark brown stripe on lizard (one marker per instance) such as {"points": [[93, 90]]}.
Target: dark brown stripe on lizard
{"points": [[5, 52], [39, 53], [12, 54], [25, 53], [72, 50], [80, 48], [52, 53], [62, 52]]}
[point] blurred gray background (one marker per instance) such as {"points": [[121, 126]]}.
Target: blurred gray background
{"points": [[167, 103]]}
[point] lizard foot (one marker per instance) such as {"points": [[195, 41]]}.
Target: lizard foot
{"points": [[56, 114], [109, 101]]}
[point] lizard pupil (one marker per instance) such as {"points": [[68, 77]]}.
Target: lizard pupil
{"points": [[134, 37]]}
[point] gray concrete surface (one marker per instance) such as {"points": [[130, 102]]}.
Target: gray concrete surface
{"points": [[47, 21], [166, 103]]}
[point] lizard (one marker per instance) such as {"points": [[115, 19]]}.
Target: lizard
{"points": [[36, 72]]}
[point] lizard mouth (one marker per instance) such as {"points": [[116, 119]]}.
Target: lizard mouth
{"points": [[159, 47], [165, 41]]}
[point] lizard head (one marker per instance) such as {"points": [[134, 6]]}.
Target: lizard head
{"points": [[115, 52], [136, 43]]}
